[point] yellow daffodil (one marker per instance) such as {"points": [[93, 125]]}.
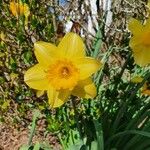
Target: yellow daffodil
{"points": [[140, 41], [18, 9], [145, 90], [63, 70]]}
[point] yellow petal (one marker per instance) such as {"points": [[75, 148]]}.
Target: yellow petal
{"points": [[137, 79], [135, 26], [145, 89], [85, 89], [139, 38], [45, 52], [35, 78], [56, 98], [71, 46], [146, 92], [39, 93], [21, 9], [26, 10], [133, 42], [14, 8], [87, 66], [141, 55]]}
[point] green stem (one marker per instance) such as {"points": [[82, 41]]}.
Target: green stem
{"points": [[119, 76], [76, 116], [62, 142]]}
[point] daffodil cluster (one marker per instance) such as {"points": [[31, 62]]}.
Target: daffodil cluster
{"points": [[18, 9]]}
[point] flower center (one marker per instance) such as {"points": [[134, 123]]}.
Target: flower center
{"points": [[65, 72], [146, 38], [63, 75]]}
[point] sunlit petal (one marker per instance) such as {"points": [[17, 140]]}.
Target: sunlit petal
{"points": [[135, 26], [56, 98], [87, 66], [40, 93], [85, 89], [35, 78], [71, 46], [45, 52], [141, 56]]}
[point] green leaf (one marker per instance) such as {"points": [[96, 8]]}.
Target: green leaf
{"points": [[45, 146], [94, 145], [97, 44], [37, 146], [27, 57], [36, 115], [99, 134], [13, 64], [2, 80], [24, 147], [77, 146], [142, 133]]}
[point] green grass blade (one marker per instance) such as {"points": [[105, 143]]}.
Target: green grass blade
{"points": [[142, 133], [99, 134]]}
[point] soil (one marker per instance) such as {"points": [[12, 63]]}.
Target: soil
{"points": [[12, 139]]}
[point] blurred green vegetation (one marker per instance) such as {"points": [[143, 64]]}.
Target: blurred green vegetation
{"points": [[117, 119]]}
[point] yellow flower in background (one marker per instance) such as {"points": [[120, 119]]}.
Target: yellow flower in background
{"points": [[148, 4], [137, 79], [2, 37], [140, 41], [18, 9], [145, 90], [63, 70]]}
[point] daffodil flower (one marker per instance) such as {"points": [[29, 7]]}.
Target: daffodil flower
{"points": [[148, 5], [140, 41], [18, 9], [63, 70], [145, 89]]}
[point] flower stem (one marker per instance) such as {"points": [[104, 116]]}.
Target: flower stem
{"points": [[76, 116]]}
